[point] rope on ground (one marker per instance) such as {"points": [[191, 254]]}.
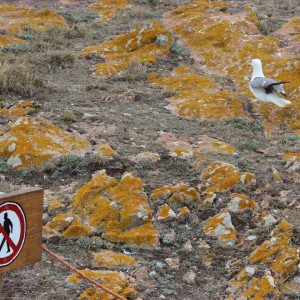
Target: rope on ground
{"points": [[94, 282]]}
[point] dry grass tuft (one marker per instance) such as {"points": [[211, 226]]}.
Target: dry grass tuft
{"points": [[18, 78], [135, 72]]}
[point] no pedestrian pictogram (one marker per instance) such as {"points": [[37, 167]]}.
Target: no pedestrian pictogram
{"points": [[12, 232]]}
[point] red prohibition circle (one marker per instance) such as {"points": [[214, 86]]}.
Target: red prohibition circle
{"points": [[14, 207]]}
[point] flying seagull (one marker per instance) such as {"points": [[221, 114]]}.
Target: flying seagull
{"points": [[266, 89]]}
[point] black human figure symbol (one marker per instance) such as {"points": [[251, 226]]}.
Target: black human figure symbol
{"points": [[8, 227]]}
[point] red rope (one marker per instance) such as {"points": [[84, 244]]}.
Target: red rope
{"points": [[94, 282]]}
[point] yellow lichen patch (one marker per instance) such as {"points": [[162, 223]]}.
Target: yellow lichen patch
{"points": [[212, 35], [112, 280], [165, 213], [14, 19], [195, 102], [146, 157], [290, 32], [222, 177], [32, 142], [120, 209], [291, 156], [62, 221], [221, 227], [77, 229], [144, 44], [277, 251], [276, 175], [109, 259], [55, 204], [243, 276], [180, 194], [87, 193], [145, 236], [105, 150], [240, 202], [20, 109], [106, 9], [205, 144], [7, 40], [184, 211], [260, 288], [208, 200]]}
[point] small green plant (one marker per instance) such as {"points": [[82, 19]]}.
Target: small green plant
{"points": [[61, 59], [253, 145], [167, 240], [28, 34], [69, 164], [179, 49], [241, 123], [16, 48], [84, 242], [209, 288], [68, 118], [3, 165], [242, 189], [293, 138], [70, 17], [263, 27], [91, 16]]}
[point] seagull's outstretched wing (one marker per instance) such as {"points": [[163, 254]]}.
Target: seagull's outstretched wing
{"points": [[269, 85]]}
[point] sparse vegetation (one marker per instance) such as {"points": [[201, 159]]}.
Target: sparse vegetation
{"points": [[135, 72], [61, 59], [18, 78], [179, 49]]}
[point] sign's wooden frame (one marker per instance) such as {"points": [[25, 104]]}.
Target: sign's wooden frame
{"points": [[31, 201]]}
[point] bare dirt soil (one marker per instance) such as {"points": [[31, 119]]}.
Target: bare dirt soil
{"points": [[70, 89]]}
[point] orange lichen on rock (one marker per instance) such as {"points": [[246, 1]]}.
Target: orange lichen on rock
{"points": [[290, 32], [222, 177], [165, 213], [277, 251], [212, 34], [144, 44], [208, 200], [198, 97], [144, 236], [145, 157], [260, 288], [204, 144], [276, 175], [32, 142], [55, 204], [291, 156], [87, 193], [68, 225], [110, 259], [114, 281], [119, 209], [240, 203], [20, 109], [107, 9], [180, 194], [134, 207], [221, 227], [105, 150], [14, 19]]}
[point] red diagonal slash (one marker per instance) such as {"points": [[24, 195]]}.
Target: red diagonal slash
{"points": [[8, 239]]}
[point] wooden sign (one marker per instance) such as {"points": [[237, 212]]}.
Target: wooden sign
{"points": [[20, 228]]}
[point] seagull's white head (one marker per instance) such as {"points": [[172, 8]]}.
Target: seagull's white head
{"points": [[255, 63]]}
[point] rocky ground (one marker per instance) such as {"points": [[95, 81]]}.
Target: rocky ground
{"points": [[163, 178]]}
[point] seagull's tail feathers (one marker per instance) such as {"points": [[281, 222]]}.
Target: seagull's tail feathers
{"points": [[278, 101]]}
